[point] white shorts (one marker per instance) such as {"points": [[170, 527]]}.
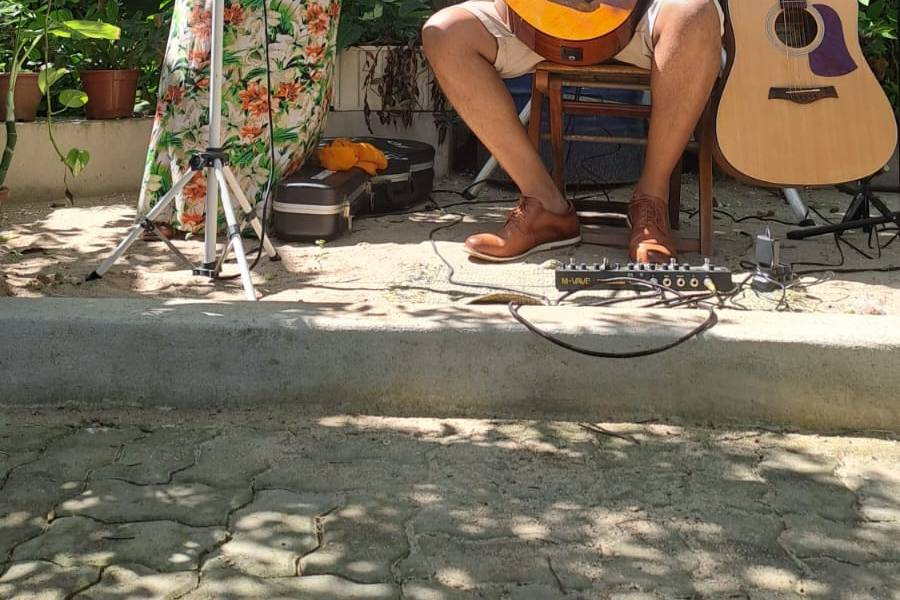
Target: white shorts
{"points": [[515, 58]]}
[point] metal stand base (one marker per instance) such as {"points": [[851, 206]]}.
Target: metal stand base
{"points": [[858, 216], [220, 185], [212, 161]]}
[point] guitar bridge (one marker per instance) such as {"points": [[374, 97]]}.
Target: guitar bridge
{"points": [[802, 95]]}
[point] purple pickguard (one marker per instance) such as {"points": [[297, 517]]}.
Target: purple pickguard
{"points": [[831, 58]]}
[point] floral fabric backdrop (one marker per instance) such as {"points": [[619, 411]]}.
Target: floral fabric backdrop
{"points": [[302, 35]]}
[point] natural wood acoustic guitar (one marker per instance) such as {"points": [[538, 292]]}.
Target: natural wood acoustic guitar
{"points": [[799, 104], [574, 32]]}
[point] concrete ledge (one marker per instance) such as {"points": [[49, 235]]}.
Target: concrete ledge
{"points": [[822, 372], [118, 151]]}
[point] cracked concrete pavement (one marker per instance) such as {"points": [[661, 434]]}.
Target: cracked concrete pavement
{"points": [[115, 504]]}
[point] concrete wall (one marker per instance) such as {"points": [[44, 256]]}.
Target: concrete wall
{"points": [[119, 148], [818, 371]]}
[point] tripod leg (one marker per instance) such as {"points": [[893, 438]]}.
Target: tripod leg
{"points": [[881, 207], [248, 209], [234, 233], [137, 228]]}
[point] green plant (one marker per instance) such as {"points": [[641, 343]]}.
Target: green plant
{"points": [[393, 70], [381, 22], [28, 27], [878, 33], [139, 44]]}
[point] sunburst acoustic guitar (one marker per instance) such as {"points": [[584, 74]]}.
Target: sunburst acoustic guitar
{"points": [[799, 104], [574, 32]]}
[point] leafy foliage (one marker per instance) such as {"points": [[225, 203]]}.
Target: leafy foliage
{"points": [[878, 33], [381, 22], [30, 26]]}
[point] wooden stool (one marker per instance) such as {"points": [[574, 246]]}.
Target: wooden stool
{"points": [[549, 81]]}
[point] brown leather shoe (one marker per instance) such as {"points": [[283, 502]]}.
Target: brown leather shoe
{"points": [[528, 228], [651, 238]]}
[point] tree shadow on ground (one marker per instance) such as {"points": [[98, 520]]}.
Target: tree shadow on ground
{"points": [[366, 507], [391, 259]]}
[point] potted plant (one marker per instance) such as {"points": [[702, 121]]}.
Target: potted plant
{"points": [[382, 58], [110, 69], [30, 28]]}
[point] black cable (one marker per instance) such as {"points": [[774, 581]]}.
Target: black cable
{"points": [[734, 219], [709, 323]]}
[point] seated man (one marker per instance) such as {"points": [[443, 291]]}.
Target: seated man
{"points": [[471, 48]]}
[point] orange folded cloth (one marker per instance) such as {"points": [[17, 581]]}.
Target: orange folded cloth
{"points": [[343, 154]]}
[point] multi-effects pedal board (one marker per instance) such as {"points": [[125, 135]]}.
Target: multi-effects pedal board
{"points": [[677, 276]]}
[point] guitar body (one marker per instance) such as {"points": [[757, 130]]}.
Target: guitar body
{"points": [[799, 104], [570, 36]]}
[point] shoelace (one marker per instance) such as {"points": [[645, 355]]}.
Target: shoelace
{"points": [[517, 214]]}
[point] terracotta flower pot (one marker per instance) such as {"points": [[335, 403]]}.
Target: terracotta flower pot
{"points": [[27, 96], [4, 195], [111, 94]]}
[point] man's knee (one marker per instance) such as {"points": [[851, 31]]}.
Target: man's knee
{"points": [[701, 16], [437, 33], [455, 30]]}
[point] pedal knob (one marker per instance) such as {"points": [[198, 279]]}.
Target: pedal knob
{"points": [[686, 267]]}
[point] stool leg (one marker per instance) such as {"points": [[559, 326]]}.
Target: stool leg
{"points": [[538, 91], [675, 196], [556, 134], [706, 183]]}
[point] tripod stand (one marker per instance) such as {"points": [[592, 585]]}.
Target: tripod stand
{"points": [[221, 181], [858, 216]]}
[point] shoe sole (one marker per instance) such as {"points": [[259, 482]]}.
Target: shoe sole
{"points": [[539, 248]]}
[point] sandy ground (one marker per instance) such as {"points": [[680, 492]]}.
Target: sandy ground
{"points": [[389, 261]]}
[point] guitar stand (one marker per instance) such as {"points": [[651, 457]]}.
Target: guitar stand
{"points": [[858, 215]]}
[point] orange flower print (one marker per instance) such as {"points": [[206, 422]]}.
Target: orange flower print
{"points": [[303, 50], [234, 14], [315, 53], [253, 93], [289, 91], [197, 57], [192, 222], [250, 132], [317, 19], [200, 22], [195, 191], [255, 99], [174, 94]]}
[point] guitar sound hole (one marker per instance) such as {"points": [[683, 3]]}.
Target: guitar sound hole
{"points": [[796, 28]]}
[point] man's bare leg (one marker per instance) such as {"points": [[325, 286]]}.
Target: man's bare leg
{"points": [[686, 61], [462, 54]]}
